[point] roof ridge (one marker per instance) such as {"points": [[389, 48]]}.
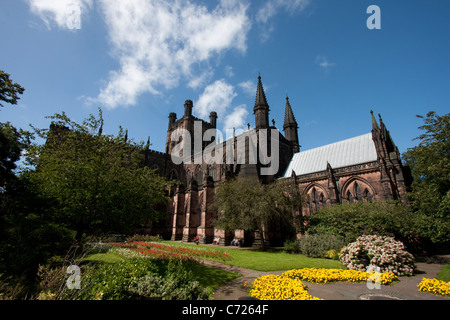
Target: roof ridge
{"points": [[336, 142]]}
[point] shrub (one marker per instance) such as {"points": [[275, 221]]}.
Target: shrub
{"points": [[387, 218], [143, 238], [332, 254], [111, 281], [291, 246], [133, 278], [317, 245], [177, 284], [381, 251]]}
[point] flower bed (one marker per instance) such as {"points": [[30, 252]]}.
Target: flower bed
{"points": [[165, 250], [273, 287], [146, 252], [314, 275], [434, 286]]}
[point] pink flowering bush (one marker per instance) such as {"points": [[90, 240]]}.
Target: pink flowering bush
{"points": [[378, 251]]}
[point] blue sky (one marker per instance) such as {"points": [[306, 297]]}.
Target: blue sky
{"points": [[140, 60]]}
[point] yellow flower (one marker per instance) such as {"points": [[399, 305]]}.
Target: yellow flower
{"points": [[434, 286]]}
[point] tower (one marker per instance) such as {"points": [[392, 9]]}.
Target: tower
{"points": [[261, 109], [213, 119], [290, 127], [188, 108], [394, 178]]}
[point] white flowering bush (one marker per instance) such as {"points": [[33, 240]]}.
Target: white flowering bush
{"points": [[384, 252]]}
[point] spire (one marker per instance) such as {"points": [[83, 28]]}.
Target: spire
{"points": [[260, 95], [290, 127], [289, 119], [261, 109], [147, 146], [374, 122]]}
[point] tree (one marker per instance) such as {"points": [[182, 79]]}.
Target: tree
{"points": [[430, 167], [249, 205], [12, 143], [97, 182], [351, 220], [9, 91], [28, 236]]}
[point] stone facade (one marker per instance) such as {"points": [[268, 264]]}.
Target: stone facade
{"points": [[378, 176]]}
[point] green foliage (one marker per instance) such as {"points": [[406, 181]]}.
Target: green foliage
{"points": [[9, 90], [250, 205], [12, 143], [110, 281], [97, 182], [430, 167], [143, 238], [177, 284], [129, 279], [291, 246], [349, 221], [320, 245]]}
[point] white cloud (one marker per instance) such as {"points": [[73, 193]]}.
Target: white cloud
{"points": [[67, 14], [272, 8], [249, 87], [158, 43], [236, 119], [324, 63], [200, 80], [216, 97]]}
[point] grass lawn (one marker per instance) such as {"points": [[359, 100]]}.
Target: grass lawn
{"points": [[268, 261], [444, 275]]}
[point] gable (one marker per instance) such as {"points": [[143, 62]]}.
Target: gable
{"points": [[343, 153]]}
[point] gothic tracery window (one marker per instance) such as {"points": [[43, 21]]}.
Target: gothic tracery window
{"points": [[212, 173], [350, 197], [368, 196], [316, 200], [199, 177], [359, 194], [322, 200], [311, 209]]}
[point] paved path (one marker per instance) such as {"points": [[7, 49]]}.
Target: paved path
{"points": [[405, 289]]}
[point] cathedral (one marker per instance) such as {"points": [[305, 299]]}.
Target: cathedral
{"points": [[360, 169]]}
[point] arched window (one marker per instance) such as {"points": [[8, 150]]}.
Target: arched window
{"points": [[199, 176], [368, 196], [212, 173], [350, 197], [316, 200], [173, 175], [359, 194], [322, 200], [311, 209]]}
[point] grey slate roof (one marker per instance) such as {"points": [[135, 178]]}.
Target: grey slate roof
{"points": [[343, 153]]}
